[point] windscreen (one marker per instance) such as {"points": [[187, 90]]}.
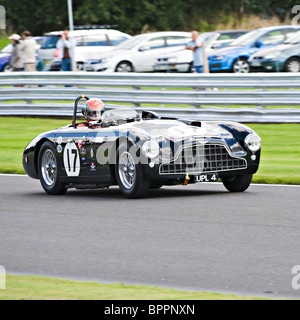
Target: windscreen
{"points": [[50, 42], [120, 115], [247, 38]]}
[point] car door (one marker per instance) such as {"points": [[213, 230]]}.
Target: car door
{"points": [[146, 54], [98, 153], [71, 145]]}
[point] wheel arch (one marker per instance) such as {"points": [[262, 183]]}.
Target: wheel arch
{"points": [[290, 58], [37, 151], [125, 60], [238, 58]]}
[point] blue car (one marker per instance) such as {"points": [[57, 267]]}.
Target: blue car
{"points": [[234, 58], [5, 54]]}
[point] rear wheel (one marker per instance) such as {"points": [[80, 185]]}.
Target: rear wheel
{"points": [[237, 183], [124, 66], [292, 65], [129, 173], [241, 66], [47, 169]]}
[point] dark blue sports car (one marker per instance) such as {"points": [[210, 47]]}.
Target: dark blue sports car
{"points": [[139, 152]]}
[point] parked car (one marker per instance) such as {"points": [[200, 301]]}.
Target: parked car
{"points": [[5, 54], [140, 53], [234, 58], [182, 61], [89, 44], [142, 152], [284, 57]]}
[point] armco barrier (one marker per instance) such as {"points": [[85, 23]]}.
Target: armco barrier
{"points": [[251, 97]]}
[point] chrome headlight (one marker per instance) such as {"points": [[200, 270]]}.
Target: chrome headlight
{"points": [[271, 56], [218, 57], [150, 149], [105, 60], [172, 60], [95, 61], [253, 142]]}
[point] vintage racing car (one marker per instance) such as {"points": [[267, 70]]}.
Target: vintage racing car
{"points": [[140, 152]]}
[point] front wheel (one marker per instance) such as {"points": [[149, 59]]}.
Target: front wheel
{"points": [[129, 173], [48, 172], [7, 68], [124, 66], [241, 66], [237, 183]]}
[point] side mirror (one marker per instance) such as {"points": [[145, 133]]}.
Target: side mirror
{"points": [[259, 44], [144, 48]]}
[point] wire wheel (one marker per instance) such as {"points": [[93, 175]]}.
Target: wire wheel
{"points": [[48, 170], [127, 170], [241, 66], [48, 167]]}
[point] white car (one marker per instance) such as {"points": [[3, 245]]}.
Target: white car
{"points": [[139, 53], [182, 60], [89, 44]]}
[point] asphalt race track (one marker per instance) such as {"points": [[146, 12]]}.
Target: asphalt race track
{"points": [[198, 237]]}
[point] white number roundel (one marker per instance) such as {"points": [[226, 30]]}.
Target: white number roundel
{"points": [[71, 160]]}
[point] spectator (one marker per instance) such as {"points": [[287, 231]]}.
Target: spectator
{"points": [[15, 61], [28, 48], [65, 44], [196, 45]]}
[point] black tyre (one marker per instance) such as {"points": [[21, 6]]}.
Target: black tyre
{"points": [[155, 186], [237, 183], [48, 171], [80, 66], [129, 173], [124, 66], [6, 68], [241, 66], [292, 65]]}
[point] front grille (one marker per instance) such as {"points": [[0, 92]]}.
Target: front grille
{"points": [[203, 158]]}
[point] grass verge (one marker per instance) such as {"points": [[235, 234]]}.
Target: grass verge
{"points": [[45, 288], [280, 160]]}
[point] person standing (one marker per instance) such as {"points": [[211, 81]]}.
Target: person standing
{"points": [[65, 44], [28, 48], [196, 45], [15, 61]]}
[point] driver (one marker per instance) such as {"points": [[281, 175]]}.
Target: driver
{"points": [[92, 111]]}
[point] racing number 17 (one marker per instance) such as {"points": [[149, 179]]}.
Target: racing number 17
{"points": [[71, 160], [75, 158]]}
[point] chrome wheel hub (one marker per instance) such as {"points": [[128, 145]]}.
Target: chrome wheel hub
{"points": [[127, 170], [48, 167], [241, 66]]}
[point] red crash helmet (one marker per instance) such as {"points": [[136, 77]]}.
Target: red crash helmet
{"points": [[93, 109]]}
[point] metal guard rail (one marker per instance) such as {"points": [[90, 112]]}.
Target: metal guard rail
{"points": [[188, 95]]}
